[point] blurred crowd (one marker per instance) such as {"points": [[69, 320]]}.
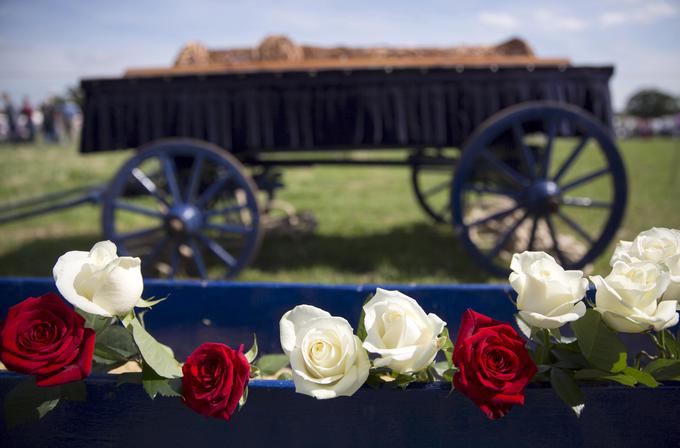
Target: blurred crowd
{"points": [[627, 126], [56, 120]]}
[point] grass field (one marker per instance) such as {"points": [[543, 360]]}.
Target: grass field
{"points": [[370, 226]]}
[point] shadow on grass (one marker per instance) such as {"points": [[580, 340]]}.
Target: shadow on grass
{"points": [[37, 258], [407, 253]]}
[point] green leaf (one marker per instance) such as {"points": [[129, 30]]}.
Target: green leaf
{"points": [[118, 340], [244, 398], [402, 380], [447, 375], [252, 353], [567, 389], [641, 377], [46, 407], [93, 321], [155, 384], [374, 381], [568, 358], [27, 402], [447, 346], [664, 369], [671, 344], [284, 376], [155, 354], [600, 375], [141, 303], [128, 318], [599, 344], [361, 327], [270, 364]]}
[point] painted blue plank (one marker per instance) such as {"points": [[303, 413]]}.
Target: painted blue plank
{"points": [[418, 417], [231, 312], [275, 416]]}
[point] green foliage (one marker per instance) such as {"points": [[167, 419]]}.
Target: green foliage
{"points": [[565, 387], [651, 103], [666, 343], [270, 364], [446, 345], [252, 353], [155, 354], [149, 302], [118, 340], [664, 369], [28, 402], [155, 384], [599, 344], [641, 376], [601, 375], [361, 327], [244, 398], [114, 347], [569, 356], [95, 322]]}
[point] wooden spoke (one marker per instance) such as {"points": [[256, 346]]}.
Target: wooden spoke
{"points": [[585, 179], [503, 240], [495, 216], [572, 157], [504, 168], [149, 185], [138, 209], [171, 177]]}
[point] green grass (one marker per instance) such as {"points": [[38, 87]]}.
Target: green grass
{"points": [[370, 228]]}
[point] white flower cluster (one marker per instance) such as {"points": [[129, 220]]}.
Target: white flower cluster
{"points": [[328, 360], [640, 294]]}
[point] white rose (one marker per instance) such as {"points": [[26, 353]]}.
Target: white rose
{"points": [[628, 297], [547, 295], [399, 331], [657, 245], [98, 281], [326, 357], [673, 290]]}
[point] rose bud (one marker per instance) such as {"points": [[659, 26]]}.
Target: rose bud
{"points": [[215, 377], [100, 282]]}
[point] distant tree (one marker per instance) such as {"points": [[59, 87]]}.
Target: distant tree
{"points": [[652, 103]]}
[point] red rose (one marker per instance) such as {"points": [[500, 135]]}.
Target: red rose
{"points": [[44, 337], [215, 377], [494, 365]]}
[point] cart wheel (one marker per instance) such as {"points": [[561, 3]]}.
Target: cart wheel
{"points": [[431, 175], [538, 176], [185, 207]]}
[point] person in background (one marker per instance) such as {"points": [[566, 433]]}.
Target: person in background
{"points": [[10, 113], [49, 125], [69, 113], [27, 113]]}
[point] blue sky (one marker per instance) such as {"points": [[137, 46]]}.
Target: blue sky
{"points": [[47, 45]]}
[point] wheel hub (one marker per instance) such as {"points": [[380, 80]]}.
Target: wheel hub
{"points": [[543, 197], [184, 219]]}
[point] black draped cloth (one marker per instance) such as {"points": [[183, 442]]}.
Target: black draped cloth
{"points": [[368, 108]]}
